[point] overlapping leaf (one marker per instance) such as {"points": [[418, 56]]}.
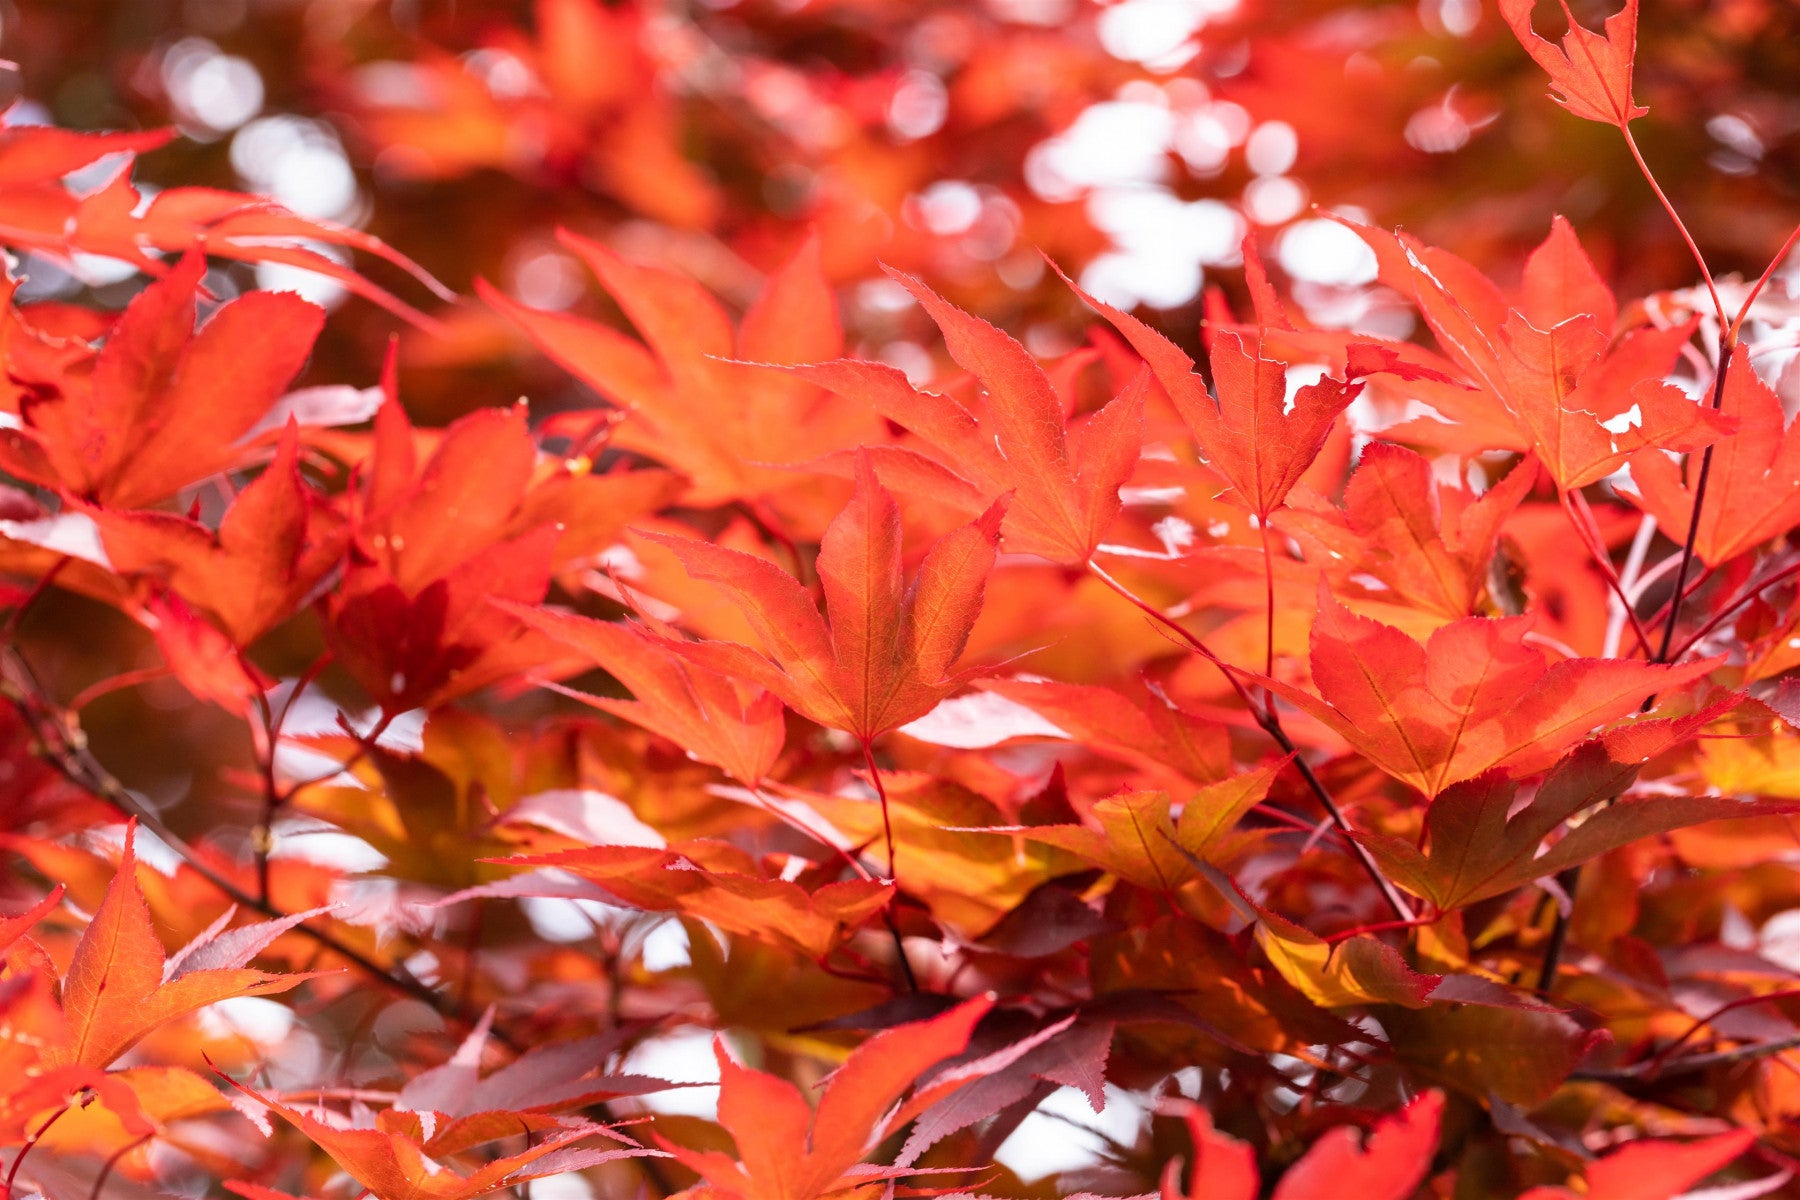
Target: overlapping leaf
{"points": [[887, 654], [395, 1157], [274, 544], [1753, 486], [1481, 841], [722, 885], [735, 726], [1251, 434], [1475, 696], [1064, 483], [770, 1120], [117, 988], [718, 422], [164, 406], [38, 209], [1387, 1163], [1542, 374], [1431, 544]]}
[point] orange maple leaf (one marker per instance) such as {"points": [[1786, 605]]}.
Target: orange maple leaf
{"points": [[1548, 377], [886, 655], [733, 725], [399, 1155], [1064, 482], [1430, 543], [1475, 696], [163, 406], [721, 884], [275, 543], [771, 1121], [719, 422], [39, 209], [1653, 1170], [119, 987], [1251, 435], [1753, 488]]}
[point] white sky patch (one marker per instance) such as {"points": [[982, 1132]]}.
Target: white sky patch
{"points": [[587, 815], [1323, 251], [979, 720], [309, 841], [919, 106], [1779, 939], [263, 1021], [71, 533], [1122, 156], [321, 290], [150, 849], [313, 712], [1158, 33], [684, 1056], [666, 947], [212, 92], [1164, 245], [1113, 143], [560, 920], [1629, 419], [1274, 199], [570, 1185], [1206, 137], [99, 270], [947, 207], [300, 163], [1272, 148], [1057, 1137], [328, 404]]}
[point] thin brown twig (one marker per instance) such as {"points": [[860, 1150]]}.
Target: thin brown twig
{"points": [[66, 749], [1570, 879], [1693, 1030], [365, 745], [887, 824], [1690, 1064], [10, 631], [1661, 612], [1726, 347], [262, 838], [1270, 723], [1749, 593]]}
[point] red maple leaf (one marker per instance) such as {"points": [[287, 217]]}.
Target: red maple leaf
{"points": [[1476, 695], [1591, 74]]}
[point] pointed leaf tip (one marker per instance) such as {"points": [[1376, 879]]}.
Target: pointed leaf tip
{"points": [[1590, 73]]}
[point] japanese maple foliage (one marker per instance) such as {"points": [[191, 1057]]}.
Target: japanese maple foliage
{"points": [[840, 723]]}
